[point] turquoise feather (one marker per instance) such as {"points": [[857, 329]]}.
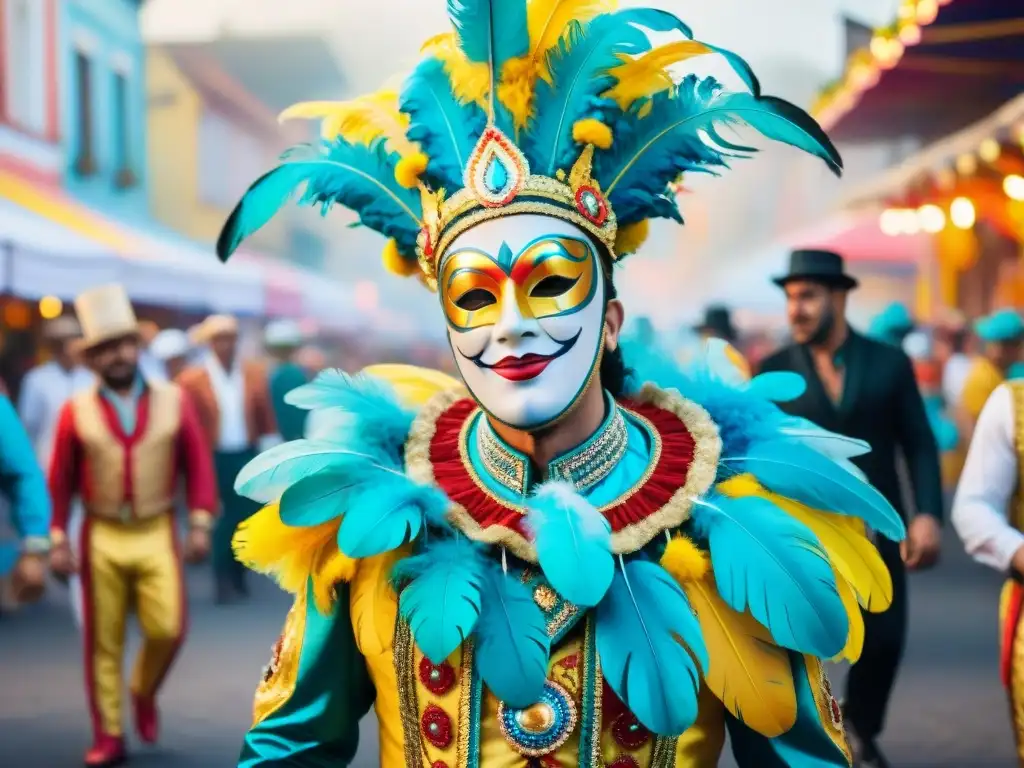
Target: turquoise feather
{"points": [[768, 563], [384, 514], [490, 31], [801, 473], [511, 641], [573, 542], [668, 141], [651, 648], [442, 601], [579, 73], [267, 476], [777, 386], [445, 129], [360, 178], [319, 498]]}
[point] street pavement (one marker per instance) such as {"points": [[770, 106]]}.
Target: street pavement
{"points": [[949, 710]]}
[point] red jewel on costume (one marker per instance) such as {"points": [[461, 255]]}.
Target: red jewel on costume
{"points": [[437, 678], [436, 726], [628, 732], [591, 204], [439, 764], [570, 662], [428, 247], [624, 761]]}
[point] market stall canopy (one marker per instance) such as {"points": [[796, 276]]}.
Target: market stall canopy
{"points": [[942, 65]]}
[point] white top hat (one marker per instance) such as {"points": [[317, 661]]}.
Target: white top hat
{"points": [[105, 313], [169, 344], [283, 333]]}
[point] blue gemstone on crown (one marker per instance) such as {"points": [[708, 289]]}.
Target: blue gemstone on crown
{"points": [[496, 176]]}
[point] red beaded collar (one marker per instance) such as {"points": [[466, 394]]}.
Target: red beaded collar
{"points": [[684, 461]]}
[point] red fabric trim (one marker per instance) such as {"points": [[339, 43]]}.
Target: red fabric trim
{"points": [[88, 641], [1009, 633], [667, 476]]}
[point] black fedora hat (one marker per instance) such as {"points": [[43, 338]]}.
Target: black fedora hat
{"points": [[717, 320], [818, 266]]}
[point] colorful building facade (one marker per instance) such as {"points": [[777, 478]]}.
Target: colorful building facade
{"points": [[103, 103]]}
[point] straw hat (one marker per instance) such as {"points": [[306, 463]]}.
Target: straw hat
{"points": [[211, 327], [105, 313]]}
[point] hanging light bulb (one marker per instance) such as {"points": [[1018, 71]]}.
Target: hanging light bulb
{"points": [[931, 218], [1013, 186], [962, 213], [989, 150], [966, 164], [891, 222]]}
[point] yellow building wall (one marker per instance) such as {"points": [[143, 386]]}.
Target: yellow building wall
{"points": [[174, 112]]}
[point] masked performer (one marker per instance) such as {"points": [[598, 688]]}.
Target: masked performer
{"points": [[557, 563], [120, 446]]}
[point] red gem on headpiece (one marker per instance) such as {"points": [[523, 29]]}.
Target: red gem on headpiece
{"points": [[439, 678], [592, 205], [436, 726], [628, 733], [428, 247]]}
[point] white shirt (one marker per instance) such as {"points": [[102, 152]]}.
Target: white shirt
{"points": [[229, 388], [44, 391], [990, 476], [954, 376]]}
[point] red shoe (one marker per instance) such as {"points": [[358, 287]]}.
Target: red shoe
{"points": [[147, 721], [106, 752]]}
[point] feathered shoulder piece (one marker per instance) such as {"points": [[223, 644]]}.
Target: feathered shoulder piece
{"points": [[559, 107], [340, 494]]}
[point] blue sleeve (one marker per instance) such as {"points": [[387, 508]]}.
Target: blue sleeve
{"points": [[22, 477], [291, 421], [314, 693], [817, 740]]}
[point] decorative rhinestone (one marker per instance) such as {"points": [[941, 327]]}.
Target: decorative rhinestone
{"points": [[439, 764], [436, 726], [591, 204], [628, 733], [624, 761], [496, 175], [545, 597], [541, 728], [438, 679], [835, 711]]}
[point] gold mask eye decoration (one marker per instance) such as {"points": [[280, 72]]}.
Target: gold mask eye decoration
{"points": [[551, 276]]}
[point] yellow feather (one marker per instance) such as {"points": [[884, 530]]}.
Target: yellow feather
{"points": [[646, 75], [331, 567], [684, 561], [373, 603], [855, 639], [360, 121], [291, 554], [630, 237], [849, 550], [515, 90], [413, 385], [470, 81], [748, 673], [548, 21]]}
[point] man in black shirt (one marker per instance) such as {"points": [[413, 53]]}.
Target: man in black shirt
{"points": [[864, 389]]}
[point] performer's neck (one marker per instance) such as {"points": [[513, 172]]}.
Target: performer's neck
{"points": [[834, 339], [574, 429]]}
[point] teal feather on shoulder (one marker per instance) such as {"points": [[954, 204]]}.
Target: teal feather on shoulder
{"points": [[651, 647], [767, 562], [442, 601], [511, 641]]}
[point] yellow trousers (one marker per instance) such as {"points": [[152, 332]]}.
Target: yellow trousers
{"points": [[126, 566], [1011, 661]]}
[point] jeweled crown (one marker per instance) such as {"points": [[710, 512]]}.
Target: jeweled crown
{"points": [[497, 182]]}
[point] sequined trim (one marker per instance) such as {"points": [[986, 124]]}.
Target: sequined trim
{"points": [[821, 690], [466, 709], [564, 719], [282, 674], [590, 739], [501, 464], [408, 707], [664, 753], [1017, 506]]}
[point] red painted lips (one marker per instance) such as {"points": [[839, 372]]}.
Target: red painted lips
{"points": [[522, 368]]}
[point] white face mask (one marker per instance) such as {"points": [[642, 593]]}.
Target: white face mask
{"points": [[524, 298]]}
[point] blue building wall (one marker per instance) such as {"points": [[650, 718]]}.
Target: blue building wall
{"points": [[107, 33]]}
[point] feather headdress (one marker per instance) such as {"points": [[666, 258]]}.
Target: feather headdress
{"points": [[559, 107]]}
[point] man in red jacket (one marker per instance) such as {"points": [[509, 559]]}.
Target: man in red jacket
{"points": [[122, 446]]}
